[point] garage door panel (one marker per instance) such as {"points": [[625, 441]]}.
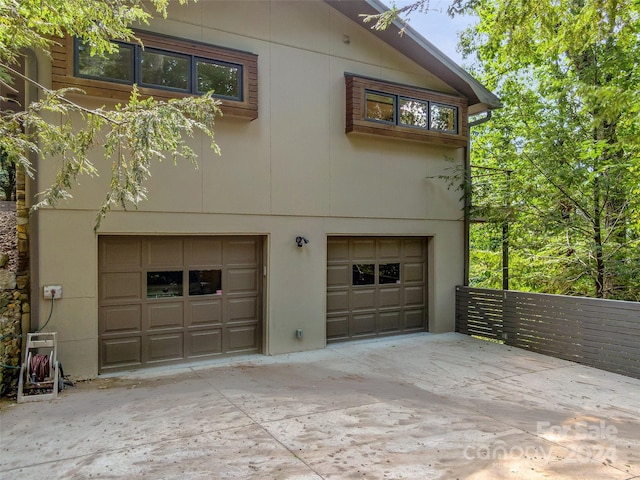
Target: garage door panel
{"points": [[363, 299], [165, 252], [165, 315], [390, 321], [204, 342], [389, 248], [241, 252], [415, 319], [166, 346], [413, 248], [363, 249], [413, 273], [390, 297], [241, 280], [242, 309], [338, 250], [337, 301], [414, 296], [363, 324], [121, 352], [338, 327], [206, 312], [339, 275], [203, 251], [242, 338], [121, 287], [121, 319], [120, 254]]}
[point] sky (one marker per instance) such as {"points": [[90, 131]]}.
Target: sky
{"points": [[438, 27]]}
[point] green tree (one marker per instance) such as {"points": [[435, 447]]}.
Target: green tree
{"points": [[567, 75], [132, 135]]}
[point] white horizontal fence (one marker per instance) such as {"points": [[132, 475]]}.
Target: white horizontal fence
{"points": [[600, 333]]}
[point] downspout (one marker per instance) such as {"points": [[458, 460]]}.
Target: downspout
{"points": [[467, 196]]}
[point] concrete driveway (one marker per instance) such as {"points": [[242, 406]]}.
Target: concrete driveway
{"points": [[419, 407]]}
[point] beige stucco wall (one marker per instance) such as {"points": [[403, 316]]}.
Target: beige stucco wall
{"points": [[293, 171]]}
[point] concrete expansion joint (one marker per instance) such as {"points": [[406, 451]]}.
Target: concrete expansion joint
{"points": [[261, 425]]}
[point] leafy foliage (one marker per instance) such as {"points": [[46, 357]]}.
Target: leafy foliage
{"points": [[567, 75], [569, 133], [131, 135]]}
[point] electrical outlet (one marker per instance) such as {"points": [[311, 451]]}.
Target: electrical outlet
{"points": [[52, 291]]}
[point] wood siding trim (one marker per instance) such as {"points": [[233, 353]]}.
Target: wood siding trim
{"points": [[63, 77], [357, 124]]}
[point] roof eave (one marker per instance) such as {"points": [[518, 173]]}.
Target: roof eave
{"points": [[417, 48]]}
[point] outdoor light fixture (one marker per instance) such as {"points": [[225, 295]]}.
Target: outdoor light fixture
{"points": [[300, 241]]}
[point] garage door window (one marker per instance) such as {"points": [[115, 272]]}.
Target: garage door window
{"points": [[164, 284], [364, 274], [389, 273], [205, 282]]}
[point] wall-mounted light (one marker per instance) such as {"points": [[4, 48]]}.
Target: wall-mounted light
{"points": [[300, 241]]}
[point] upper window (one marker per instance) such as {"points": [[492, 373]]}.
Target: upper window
{"points": [[222, 78], [162, 69], [410, 112], [116, 67], [443, 117], [381, 107], [414, 113], [376, 107], [167, 67]]}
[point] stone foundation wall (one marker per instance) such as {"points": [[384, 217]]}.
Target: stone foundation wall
{"points": [[15, 307]]}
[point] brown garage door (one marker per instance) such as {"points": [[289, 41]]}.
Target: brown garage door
{"points": [[174, 299], [375, 287]]}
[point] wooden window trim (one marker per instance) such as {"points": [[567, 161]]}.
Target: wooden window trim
{"points": [[63, 73], [356, 123]]}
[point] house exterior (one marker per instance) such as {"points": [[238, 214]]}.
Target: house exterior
{"points": [[324, 219]]}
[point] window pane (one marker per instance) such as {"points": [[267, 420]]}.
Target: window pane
{"points": [[164, 284], [205, 282], [164, 69], [444, 117], [380, 107], [389, 273], [222, 79], [117, 66], [414, 113], [364, 274]]}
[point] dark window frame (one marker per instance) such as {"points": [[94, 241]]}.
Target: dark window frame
{"points": [[418, 100], [395, 107], [76, 64], [192, 80], [397, 118], [222, 63], [159, 51], [455, 118]]}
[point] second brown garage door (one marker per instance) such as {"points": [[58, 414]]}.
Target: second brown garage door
{"points": [[375, 286], [173, 299]]}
